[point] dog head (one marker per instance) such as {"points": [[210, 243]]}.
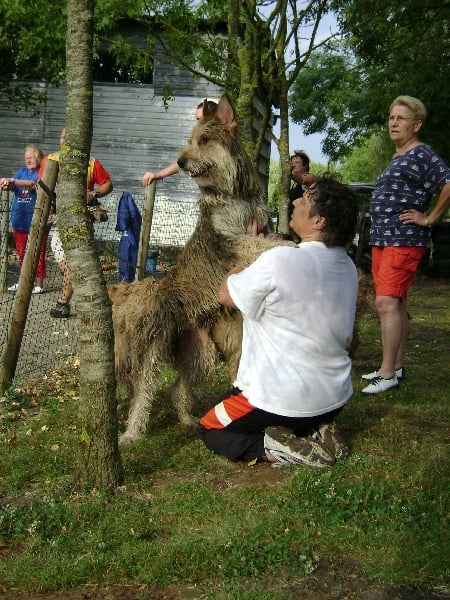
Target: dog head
{"points": [[215, 157]]}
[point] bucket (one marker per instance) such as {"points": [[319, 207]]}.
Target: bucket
{"points": [[152, 259]]}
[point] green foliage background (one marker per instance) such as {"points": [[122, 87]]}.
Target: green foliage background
{"points": [[388, 48]]}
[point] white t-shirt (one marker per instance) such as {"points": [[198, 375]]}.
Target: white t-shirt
{"points": [[298, 306]]}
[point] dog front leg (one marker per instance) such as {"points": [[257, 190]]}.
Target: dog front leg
{"points": [[227, 336], [248, 248]]}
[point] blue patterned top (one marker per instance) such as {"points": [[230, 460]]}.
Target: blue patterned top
{"points": [[409, 181], [24, 201]]}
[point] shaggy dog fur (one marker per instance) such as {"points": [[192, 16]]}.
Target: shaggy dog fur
{"points": [[178, 320]]}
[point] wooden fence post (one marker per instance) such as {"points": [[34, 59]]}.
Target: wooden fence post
{"points": [[19, 311], [147, 217]]}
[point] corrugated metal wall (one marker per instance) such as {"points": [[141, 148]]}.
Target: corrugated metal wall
{"points": [[133, 131]]}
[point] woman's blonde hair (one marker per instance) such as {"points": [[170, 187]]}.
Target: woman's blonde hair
{"points": [[36, 151], [414, 104]]}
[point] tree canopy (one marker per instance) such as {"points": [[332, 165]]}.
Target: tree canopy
{"points": [[389, 49], [253, 49]]}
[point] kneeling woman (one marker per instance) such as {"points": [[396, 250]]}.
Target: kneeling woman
{"points": [[298, 306]]}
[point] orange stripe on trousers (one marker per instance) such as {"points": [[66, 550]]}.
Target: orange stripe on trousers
{"points": [[227, 411]]}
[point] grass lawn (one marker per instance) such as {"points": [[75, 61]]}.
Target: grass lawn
{"points": [[189, 524]]}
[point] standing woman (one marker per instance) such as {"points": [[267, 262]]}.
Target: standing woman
{"points": [[400, 231], [24, 183]]}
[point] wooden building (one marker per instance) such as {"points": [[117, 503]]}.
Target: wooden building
{"points": [[133, 130]]}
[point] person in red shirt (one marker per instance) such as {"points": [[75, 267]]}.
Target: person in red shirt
{"points": [[99, 184]]}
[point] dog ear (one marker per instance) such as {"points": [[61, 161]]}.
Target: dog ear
{"points": [[225, 112]]}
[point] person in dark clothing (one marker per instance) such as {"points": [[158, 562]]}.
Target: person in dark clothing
{"points": [[301, 177], [129, 222]]}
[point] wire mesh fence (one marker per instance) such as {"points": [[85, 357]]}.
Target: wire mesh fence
{"points": [[47, 340]]}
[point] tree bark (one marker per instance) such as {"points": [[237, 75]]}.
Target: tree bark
{"points": [[283, 140], [98, 461]]}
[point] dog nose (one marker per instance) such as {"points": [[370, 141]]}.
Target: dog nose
{"points": [[182, 162]]}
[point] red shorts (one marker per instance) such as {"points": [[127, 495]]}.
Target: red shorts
{"points": [[21, 241], [394, 269]]}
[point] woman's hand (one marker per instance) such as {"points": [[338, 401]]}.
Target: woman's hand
{"points": [[415, 217], [148, 178], [5, 183]]}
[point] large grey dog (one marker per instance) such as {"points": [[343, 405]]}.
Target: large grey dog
{"points": [[178, 320]]}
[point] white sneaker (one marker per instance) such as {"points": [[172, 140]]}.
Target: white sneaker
{"points": [[369, 376], [37, 289], [380, 384], [13, 288]]}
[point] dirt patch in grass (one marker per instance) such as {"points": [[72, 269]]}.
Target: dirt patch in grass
{"points": [[328, 582]]}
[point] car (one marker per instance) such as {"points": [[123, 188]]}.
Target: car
{"points": [[360, 250], [435, 263]]}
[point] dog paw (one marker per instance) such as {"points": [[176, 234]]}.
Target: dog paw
{"points": [[127, 439], [188, 421]]}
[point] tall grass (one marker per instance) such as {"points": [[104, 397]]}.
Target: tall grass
{"points": [[188, 517]]}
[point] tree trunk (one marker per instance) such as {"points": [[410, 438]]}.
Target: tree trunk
{"points": [[98, 461], [283, 149], [283, 140]]}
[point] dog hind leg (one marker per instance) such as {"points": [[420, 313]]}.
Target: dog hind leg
{"points": [[182, 399], [141, 404], [196, 357]]}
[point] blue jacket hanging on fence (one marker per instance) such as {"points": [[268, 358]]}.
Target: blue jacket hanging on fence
{"points": [[129, 222]]}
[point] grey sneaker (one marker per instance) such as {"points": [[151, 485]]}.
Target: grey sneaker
{"points": [[369, 376], [332, 440], [380, 384], [287, 448]]}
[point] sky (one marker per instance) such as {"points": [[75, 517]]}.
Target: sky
{"points": [[297, 140]]}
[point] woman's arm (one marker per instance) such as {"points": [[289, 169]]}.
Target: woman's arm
{"points": [[224, 294]]}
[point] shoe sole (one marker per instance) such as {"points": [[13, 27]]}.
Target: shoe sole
{"points": [[370, 393], [33, 292], [368, 378]]}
